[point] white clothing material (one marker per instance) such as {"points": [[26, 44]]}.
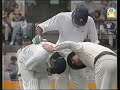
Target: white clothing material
{"points": [[105, 67], [31, 56], [67, 31], [106, 72], [62, 22], [87, 51], [32, 63]]}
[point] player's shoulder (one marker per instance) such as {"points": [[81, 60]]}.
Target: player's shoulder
{"points": [[64, 14], [90, 19]]}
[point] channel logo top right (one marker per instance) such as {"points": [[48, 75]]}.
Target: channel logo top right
{"points": [[111, 13]]}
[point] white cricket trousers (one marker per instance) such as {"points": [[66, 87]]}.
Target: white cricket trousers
{"points": [[106, 72], [78, 77], [33, 80]]}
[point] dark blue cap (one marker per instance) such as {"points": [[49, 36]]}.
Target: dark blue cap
{"points": [[80, 16], [58, 63]]}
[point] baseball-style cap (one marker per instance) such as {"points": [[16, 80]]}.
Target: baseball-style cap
{"points": [[58, 64], [26, 38], [80, 16]]}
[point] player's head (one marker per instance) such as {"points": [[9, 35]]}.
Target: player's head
{"points": [[80, 16], [74, 62], [26, 40], [58, 64]]}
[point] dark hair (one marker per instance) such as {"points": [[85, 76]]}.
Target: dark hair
{"points": [[13, 58]]}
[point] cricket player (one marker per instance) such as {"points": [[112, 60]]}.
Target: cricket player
{"points": [[35, 67], [97, 57], [73, 26]]}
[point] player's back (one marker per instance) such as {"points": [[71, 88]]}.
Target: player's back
{"points": [[33, 50]]}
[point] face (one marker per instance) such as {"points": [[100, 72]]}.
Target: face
{"points": [[76, 60]]}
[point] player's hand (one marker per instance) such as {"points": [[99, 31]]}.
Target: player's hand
{"points": [[48, 47]]}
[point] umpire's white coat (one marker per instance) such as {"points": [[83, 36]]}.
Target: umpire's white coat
{"points": [[33, 64], [67, 31], [105, 67]]}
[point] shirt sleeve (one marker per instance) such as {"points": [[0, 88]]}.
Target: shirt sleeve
{"points": [[69, 45], [51, 24], [30, 63], [93, 32]]}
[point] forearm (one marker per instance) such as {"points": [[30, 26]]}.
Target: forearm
{"points": [[68, 45], [39, 31]]}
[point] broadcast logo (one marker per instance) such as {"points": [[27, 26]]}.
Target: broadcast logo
{"points": [[111, 13]]}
